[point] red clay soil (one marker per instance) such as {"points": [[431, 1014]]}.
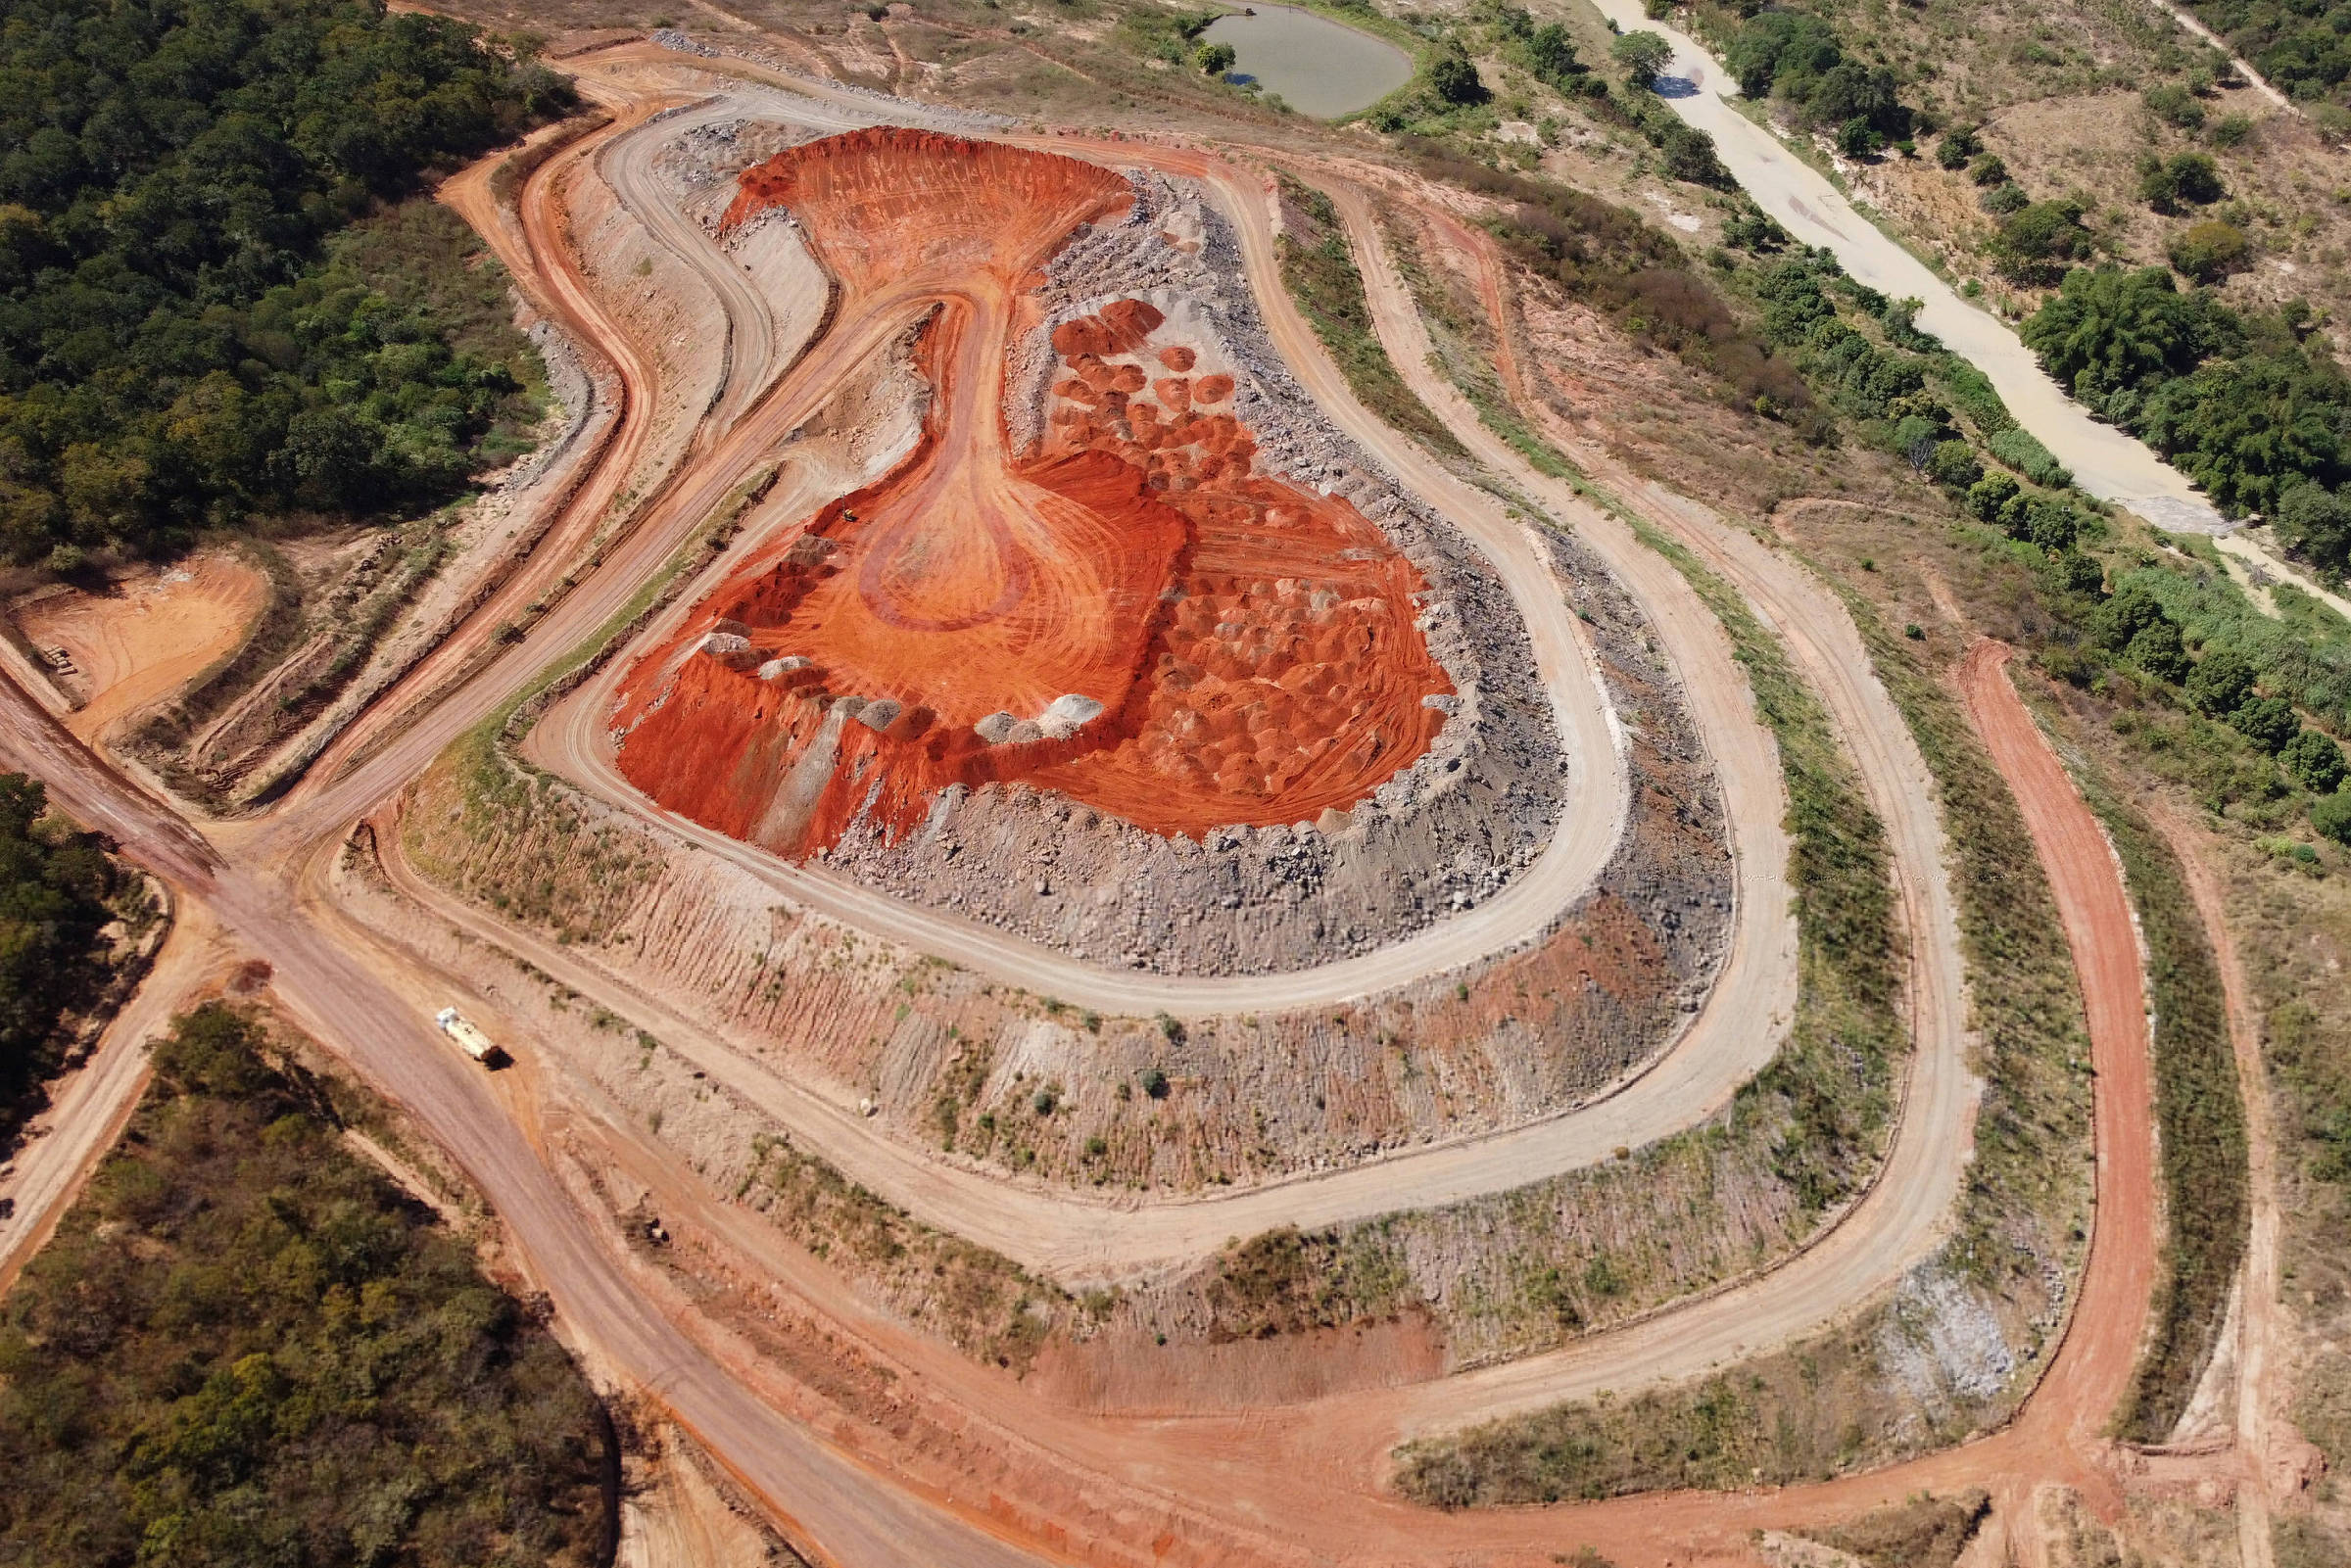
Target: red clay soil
{"points": [[1251, 645]]}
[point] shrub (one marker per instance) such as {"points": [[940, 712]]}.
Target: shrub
{"points": [[2330, 816], [2269, 722], [2173, 105], [2195, 177], [2159, 650], [1549, 55], [2190, 177], [1959, 144], [2221, 681], [1216, 58], [2231, 130], [2210, 251], [1955, 465], [2315, 761], [1988, 169], [1987, 495], [2002, 199], [1155, 1084], [2023, 451], [2133, 609], [1452, 76]]}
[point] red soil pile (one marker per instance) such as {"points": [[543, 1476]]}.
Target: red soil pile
{"points": [[1251, 645]]}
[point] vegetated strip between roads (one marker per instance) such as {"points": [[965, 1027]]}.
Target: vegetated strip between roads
{"points": [[1905, 1212]]}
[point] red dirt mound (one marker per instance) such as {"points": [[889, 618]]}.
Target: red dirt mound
{"points": [[1126, 614]]}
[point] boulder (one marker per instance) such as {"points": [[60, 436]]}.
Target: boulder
{"points": [[1066, 715]]}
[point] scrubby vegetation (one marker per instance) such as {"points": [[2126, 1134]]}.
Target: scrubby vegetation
{"points": [[1321, 276], [1924, 1532], [56, 886], [182, 345], [2200, 1122], [246, 1345], [1611, 258]]}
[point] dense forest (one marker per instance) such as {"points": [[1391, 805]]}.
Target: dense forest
{"points": [[178, 350], [55, 885], [2246, 404], [246, 1345]]}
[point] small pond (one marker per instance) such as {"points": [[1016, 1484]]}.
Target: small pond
{"points": [[1319, 67]]}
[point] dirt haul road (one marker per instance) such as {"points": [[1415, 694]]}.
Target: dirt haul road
{"points": [[1907, 1210], [353, 1012], [821, 1496]]}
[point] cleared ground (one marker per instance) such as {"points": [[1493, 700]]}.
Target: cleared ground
{"points": [[148, 635]]}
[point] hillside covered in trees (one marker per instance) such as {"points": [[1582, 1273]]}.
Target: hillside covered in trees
{"points": [[55, 885], [178, 350], [246, 1345]]}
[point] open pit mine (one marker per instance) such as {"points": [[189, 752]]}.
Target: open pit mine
{"points": [[1124, 611]]}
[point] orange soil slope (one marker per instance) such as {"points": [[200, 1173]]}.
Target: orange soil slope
{"points": [[1249, 645]]}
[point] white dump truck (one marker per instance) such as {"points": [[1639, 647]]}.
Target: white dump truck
{"points": [[459, 1029]]}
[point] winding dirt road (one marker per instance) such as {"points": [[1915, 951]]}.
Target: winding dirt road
{"points": [[1300, 1486]]}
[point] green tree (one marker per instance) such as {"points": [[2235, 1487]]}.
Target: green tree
{"points": [[2160, 650], [1987, 496], [2107, 330], [1644, 55], [1549, 53], [1958, 144], [2034, 244], [2269, 722], [2249, 429], [172, 179], [2221, 682], [1216, 58], [2317, 522], [1452, 74], [2315, 761]]}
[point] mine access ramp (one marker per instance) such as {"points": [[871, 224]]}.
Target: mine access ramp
{"points": [[476, 1044]]}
